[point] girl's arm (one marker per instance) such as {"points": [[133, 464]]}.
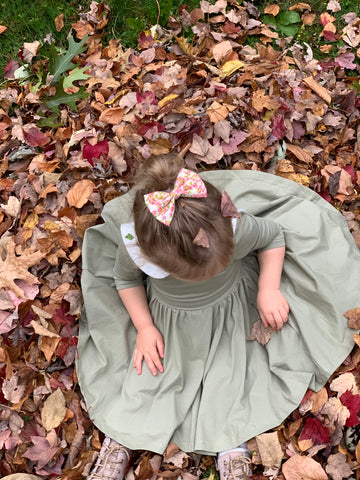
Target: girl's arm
{"points": [[272, 305], [149, 342]]}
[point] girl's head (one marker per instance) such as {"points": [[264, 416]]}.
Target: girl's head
{"points": [[171, 247]]}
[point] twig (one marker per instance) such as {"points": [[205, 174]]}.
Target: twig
{"points": [[158, 18]]}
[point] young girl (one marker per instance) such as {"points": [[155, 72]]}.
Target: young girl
{"points": [[173, 281]]}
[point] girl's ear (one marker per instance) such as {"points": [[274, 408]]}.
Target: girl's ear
{"points": [[201, 239], [227, 207]]}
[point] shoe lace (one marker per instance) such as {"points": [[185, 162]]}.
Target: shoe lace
{"points": [[238, 468], [105, 463]]}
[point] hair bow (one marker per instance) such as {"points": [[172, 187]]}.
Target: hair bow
{"points": [[162, 204]]}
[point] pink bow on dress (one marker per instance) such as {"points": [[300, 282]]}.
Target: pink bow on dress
{"points": [[162, 204]]}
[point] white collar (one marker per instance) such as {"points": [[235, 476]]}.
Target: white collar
{"points": [[131, 244]]}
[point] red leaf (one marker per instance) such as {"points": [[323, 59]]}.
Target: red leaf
{"points": [[61, 316], [35, 137], [95, 151], [315, 430], [10, 69], [352, 403], [279, 130], [64, 344], [145, 41]]}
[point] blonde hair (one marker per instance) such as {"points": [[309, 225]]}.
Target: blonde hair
{"points": [[171, 247]]}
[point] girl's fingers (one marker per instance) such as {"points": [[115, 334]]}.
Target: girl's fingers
{"points": [[160, 346], [158, 363], [138, 358], [150, 364]]}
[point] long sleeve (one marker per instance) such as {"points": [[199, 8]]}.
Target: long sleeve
{"points": [[256, 233]]}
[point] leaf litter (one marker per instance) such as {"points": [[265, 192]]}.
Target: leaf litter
{"points": [[75, 126]]}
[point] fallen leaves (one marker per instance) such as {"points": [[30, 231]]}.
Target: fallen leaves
{"points": [[73, 140]]}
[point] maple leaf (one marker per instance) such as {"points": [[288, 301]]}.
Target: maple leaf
{"points": [[61, 316], [42, 452], [16, 268], [352, 403], [260, 333], [315, 431], [353, 317], [95, 151]]}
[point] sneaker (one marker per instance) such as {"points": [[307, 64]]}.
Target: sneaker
{"points": [[235, 465], [111, 461]]}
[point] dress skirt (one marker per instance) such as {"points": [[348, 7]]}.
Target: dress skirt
{"points": [[218, 389]]}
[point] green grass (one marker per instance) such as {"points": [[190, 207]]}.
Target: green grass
{"points": [[30, 20]]}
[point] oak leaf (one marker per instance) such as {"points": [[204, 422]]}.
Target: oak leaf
{"points": [[16, 268]]}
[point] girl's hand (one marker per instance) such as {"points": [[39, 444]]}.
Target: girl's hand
{"points": [[273, 308], [149, 346]]}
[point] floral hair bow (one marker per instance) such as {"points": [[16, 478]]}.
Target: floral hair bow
{"points": [[162, 204]]}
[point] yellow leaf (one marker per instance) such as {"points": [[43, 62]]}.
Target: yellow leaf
{"points": [[230, 67], [31, 221], [168, 98]]}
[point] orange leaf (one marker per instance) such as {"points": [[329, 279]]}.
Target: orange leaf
{"points": [[112, 115], [305, 468], [3, 28], [353, 317], [217, 112], [79, 193], [272, 9], [318, 89], [59, 22]]}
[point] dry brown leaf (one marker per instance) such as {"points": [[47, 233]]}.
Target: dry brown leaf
{"points": [[270, 449], [344, 382], [16, 268], [222, 50], [353, 317], [357, 452], [228, 209], [337, 467], [171, 449], [319, 399], [112, 115], [260, 101], [201, 239], [272, 9], [59, 22], [300, 153], [48, 346], [260, 333], [53, 411], [2, 29], [80, 192], [303, 468], [356, 338], [300, 6], [318, 89], [217, 112]]}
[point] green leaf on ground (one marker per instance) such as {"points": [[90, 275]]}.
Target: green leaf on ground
{"points": [[63, 63]]}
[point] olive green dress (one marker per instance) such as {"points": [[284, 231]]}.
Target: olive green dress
{"points": [[218, 389]]}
